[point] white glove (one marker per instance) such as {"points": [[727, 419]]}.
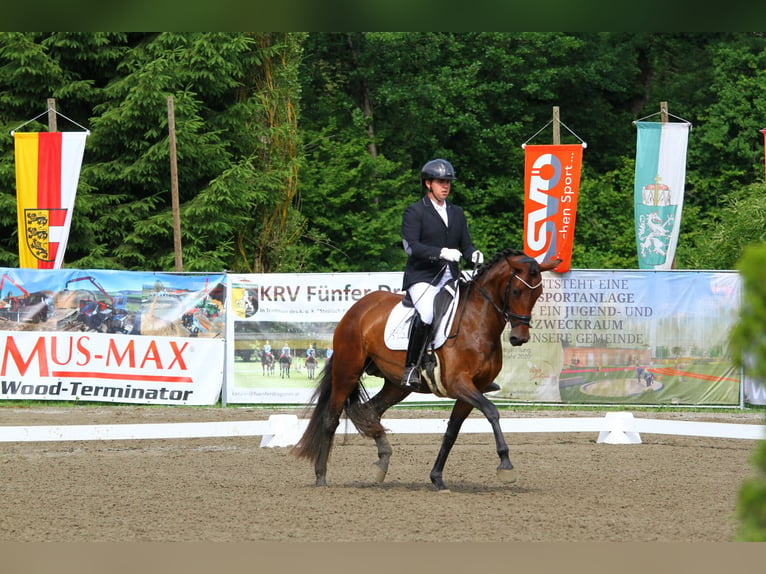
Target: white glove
{"points": [[477, 257], [450, 254]]}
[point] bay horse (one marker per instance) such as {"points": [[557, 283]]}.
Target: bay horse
{"points": [[285, 360], [503, 290], [311, 365], [267, 360]]}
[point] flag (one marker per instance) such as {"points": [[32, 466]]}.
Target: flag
{"points": [[551, 187], [47, 171], [658, 192]]}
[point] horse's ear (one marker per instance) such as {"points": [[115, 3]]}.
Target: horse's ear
{"points": [[548, 265]]}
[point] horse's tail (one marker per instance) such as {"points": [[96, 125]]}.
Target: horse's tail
{"points": [[310, 444], [362, 415]]}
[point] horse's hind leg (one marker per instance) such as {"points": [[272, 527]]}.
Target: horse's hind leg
{"points": [[329, 425], [390, 395]]}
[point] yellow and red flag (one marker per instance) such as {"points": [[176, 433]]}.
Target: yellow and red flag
{"points": [[47, 171], [551, 187]]}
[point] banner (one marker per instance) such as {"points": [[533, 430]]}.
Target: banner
{"points": [[551, 187], [617, 337], [47, 172], [274, 313], [112, 336], [659, 191], [628, 337]]}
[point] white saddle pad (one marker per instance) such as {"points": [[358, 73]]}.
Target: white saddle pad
{"points": [[396, 333]]}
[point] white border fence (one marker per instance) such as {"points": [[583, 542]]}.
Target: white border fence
{"points": [[285, 430]]}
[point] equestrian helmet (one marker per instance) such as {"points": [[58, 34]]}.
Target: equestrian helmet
{"points": [[437, 169]]}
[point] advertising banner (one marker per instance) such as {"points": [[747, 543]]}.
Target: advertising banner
{"points": [[551, 187], [287, 316], [47, 172], [112, 336], [630, 337], [658, 193]]}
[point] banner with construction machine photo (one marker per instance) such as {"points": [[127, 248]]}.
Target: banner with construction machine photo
{"points": [[112, 336], [551, 188]]}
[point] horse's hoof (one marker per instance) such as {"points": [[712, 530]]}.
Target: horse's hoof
{"points": [[379, 475], [507, 474]]}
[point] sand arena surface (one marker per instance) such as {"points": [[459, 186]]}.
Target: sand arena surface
{"points": [[669, 488]]}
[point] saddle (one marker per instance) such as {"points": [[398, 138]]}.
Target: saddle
{"points": [[396, 333]]}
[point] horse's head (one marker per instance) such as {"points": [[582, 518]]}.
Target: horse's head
{"points": [[518, 286]]}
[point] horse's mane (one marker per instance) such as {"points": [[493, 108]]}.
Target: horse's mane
{"points": [[499, 256]]}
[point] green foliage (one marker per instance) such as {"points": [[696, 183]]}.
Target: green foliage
{"points": [[298, 152], [751, 502], [235, 99], [721, 239], [748, 343]]}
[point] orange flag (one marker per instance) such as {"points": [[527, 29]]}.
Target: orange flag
{"points": [[551, 187], [47, 171]]}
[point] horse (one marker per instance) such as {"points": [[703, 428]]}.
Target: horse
{"points": [[285, 361], [503, 290], [311, 365], [267, 361]]}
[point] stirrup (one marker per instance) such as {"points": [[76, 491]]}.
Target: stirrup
{"points": [[411, 378]]}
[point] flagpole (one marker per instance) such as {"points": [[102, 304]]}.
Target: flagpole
{"points": [[174, 185], [556, 127], [52, 126], [664, 120]]}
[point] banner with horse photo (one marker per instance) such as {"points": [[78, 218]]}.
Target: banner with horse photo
{"points": [[658, 193], [47, 172], [282, 331], [551, 188]]}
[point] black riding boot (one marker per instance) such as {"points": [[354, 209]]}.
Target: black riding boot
{"points": [[420, 335]]}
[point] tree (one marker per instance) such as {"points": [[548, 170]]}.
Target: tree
{"points": [[748, 342], [236, 109]]}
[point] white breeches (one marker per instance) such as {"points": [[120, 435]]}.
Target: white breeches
{"points": [[423, 295]]}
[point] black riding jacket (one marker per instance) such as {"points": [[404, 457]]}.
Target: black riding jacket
{"points": [[423, 237]]}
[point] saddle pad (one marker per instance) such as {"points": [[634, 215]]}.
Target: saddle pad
{"points": [[397, 331]]}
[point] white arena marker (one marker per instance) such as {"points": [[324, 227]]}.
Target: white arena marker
{"points": [[617, 423], [284, 430]]}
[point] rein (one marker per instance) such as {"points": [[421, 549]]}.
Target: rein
{"points": [[507, 315]]}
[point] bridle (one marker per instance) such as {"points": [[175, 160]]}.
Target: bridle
{"points": [[513, 318]]}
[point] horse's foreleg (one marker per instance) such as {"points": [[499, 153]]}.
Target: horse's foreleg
{"points": [[459, 413], [505, 470]]}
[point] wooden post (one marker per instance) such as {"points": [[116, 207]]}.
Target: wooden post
{"points": [[556, 126], [52, 126], [174, 185]]}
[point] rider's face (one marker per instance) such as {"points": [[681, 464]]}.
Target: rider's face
{"points": [[439, 189]]}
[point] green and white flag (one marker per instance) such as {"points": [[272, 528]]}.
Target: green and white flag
{"points": [[659, 191]]}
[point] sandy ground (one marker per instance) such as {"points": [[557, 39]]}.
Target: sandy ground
{"points": [[570, 489]]}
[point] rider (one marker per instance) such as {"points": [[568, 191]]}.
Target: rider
{"points": [[435, 236]]}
